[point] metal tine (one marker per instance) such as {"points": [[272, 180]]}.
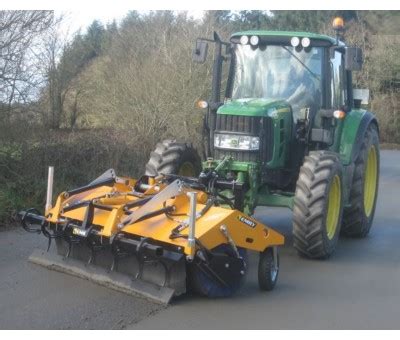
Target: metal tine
{"points": [[142, 260], [114, 264], [140, 270], [140, 257], [48, 244], [167, 273], [114, 251], [70, 244], [93, 250], [116, 254], [48, 235], [92, 256], [69, 250]]}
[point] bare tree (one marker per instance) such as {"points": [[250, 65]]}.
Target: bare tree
{"points": [[18, 33], [57, 87]]}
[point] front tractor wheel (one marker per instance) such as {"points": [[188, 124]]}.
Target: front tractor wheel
{"points": [[357, 219], [171, 157], [318, 205]]}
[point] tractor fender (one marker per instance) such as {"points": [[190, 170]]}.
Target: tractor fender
{"points": [[355, 125]]}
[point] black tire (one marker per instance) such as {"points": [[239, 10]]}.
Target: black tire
{"points": [[171, 157], [356, 221], [267, 271], [321, 171]]}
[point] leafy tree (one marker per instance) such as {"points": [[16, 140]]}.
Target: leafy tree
{"points": [[94, 39], [253, 19]]}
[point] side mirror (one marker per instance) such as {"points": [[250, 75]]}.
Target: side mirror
{"points": [[361, 97], [200, 52], [353, 59]]}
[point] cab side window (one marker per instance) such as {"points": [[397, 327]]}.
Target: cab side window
{"points": [[338, 85]]}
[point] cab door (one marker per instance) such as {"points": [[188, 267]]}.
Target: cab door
{"points": [[338, 94]]}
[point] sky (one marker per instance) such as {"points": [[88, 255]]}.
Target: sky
{"points": [[81, 19], [80, 14]]}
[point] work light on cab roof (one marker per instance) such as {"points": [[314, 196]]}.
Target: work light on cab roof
{"points": [[244, 40], [295, 41], [254, 40]]}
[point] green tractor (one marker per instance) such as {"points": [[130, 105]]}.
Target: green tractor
{"points": [[288, 133]]}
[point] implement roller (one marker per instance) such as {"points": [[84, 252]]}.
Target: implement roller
{"points": [[156, 237]]}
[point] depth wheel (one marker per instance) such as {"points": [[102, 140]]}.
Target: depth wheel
{"points": [[268, 269], [171, 157], [318, 205], [357, 219]]}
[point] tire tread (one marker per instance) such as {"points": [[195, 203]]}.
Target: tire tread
{"points": [[308, 210]]}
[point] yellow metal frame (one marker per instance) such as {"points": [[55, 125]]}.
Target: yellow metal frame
{"points": [[245, 231]]}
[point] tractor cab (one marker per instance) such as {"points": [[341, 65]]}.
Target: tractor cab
{"points": [[270, 69]]}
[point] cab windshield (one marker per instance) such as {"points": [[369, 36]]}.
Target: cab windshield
{"points": [[278, 72]]}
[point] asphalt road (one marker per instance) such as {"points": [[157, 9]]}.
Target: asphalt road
{"points": [[356, 288]]}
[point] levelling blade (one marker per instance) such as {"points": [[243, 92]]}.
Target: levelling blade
{"points": [[103, 277]]}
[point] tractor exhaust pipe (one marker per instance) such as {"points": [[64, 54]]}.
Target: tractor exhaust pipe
{"points": [[49, 195]]}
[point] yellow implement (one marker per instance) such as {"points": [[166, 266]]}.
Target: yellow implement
{"points": [[153, 236]]}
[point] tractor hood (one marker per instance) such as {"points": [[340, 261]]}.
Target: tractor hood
{"points": [[256, 107]]}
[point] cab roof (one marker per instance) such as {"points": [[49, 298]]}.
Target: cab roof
{"points": [[287, 34]]}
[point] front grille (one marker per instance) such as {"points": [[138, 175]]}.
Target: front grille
{"points": [[242, 124], [252, 126], [267, 144]]}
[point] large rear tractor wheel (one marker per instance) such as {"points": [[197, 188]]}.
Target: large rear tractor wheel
{"points": [[318, 205], [171, 157], [357, 219]]}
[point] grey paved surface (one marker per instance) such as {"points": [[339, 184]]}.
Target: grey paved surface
{"points": [[32, 297], [359, 287]]}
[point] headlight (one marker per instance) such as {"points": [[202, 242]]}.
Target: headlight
{"points": [[236, 142]]}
